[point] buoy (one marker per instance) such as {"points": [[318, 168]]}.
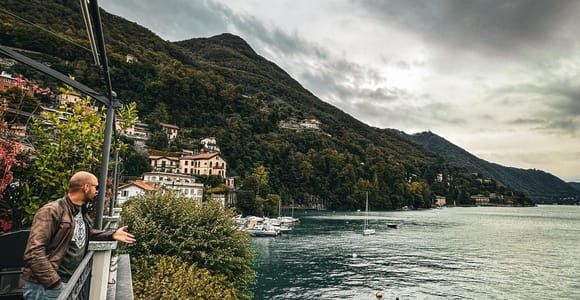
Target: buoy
{"points": [[379, 295], [354, 255]]}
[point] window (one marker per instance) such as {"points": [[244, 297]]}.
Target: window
{"points": [[186, 169], [124, 193], [210, 164], [186, 162]]}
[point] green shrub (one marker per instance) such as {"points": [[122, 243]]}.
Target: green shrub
{"points": [[202, 235], [167, 277]]}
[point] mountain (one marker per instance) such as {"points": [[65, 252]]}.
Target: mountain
{"points": [[219, 86], [543, 187], [575, 185]]}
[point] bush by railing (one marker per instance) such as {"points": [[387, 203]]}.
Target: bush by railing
{"points": [[201, 235]]}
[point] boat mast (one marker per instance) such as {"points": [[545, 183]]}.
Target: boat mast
{"points": [[367, 210]]}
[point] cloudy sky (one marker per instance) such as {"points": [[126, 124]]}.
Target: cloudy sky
{"points": [[498, 78]]}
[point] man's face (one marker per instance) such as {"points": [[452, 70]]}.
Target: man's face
{"points": [[90, 189]]}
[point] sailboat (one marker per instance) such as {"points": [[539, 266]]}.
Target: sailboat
{"points": [[367, 230]]}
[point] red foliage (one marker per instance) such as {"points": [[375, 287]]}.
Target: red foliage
{"points": [[8, 158]]}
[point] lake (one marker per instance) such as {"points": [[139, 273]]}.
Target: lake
{"points": [[450, 253]]}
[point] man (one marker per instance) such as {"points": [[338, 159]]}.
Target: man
{"points": [[59, 238]]}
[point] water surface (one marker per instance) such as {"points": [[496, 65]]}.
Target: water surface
{"points": [[451, 253]]}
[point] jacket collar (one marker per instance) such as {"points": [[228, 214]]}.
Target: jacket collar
{"points": [[74, 209]]}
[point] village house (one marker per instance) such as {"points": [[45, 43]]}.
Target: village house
{"points": [[203, 164], [136, 131], [184, 184], [165, 164], [440, 201], [7, 82], [209, 145], [171, 130], [129, 58], [134, 189], [68, 98], [310, 124], [479, 199]]}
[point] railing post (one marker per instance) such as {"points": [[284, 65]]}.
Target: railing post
{"points": [[100, 270]]}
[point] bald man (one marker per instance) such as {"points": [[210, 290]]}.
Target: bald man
{"points": [[59, 238]]}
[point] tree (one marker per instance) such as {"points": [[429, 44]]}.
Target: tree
{"points": [[64, 142], [135, 164], [260, 177]]}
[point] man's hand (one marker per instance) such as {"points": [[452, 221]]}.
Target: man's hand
{"points": [[123, 236]]}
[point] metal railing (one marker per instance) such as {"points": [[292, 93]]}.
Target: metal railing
{"points": [[80, 283]]}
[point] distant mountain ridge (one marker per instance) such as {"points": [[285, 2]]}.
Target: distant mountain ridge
{"points": [[575, 185], [542, 187]]}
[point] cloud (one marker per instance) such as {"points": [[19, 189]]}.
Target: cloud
{"points": [[493, 27], [179, 20], [553, 105]]}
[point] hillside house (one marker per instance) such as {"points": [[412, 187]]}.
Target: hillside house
{"points": [[479, 199], [203, 164], [8, 82], [165, 164], [310, 124], [209, 145], [129, 58], [68, 98], [440, 201], [171, 130]]}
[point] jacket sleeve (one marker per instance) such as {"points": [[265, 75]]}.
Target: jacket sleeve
{"points": [[100, 235], [96, 234], [35, 256]]}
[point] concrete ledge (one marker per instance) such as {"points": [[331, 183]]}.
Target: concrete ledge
{"points": [[102, 245], [124, 290]]}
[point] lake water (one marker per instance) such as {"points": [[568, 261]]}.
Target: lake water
{"points": [[451, 253]]}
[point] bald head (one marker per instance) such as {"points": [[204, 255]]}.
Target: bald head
{"points": [[79, 179]]}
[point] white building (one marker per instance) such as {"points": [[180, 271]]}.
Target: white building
{"points": [[480, 199], [134, 189], [129, 58], [171, 130], [185, 185], [209, 145]]}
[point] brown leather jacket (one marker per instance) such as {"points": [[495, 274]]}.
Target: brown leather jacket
{"points": [[50, 236]]}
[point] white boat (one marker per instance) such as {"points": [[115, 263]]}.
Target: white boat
{"points": [[367, 230]]}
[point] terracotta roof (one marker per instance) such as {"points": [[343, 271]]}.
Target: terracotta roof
{"points": [[169, 125], [201, 156], [162, 156], [141, 184]]}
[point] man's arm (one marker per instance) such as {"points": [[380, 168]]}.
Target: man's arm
{"points": [[120, 235], [35, 253]]}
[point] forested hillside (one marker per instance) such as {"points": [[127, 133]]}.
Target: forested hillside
{"points": [[541, 186], [220, 87]]}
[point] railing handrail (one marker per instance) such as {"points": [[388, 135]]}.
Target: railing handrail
{"points": [[69, 287]]}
